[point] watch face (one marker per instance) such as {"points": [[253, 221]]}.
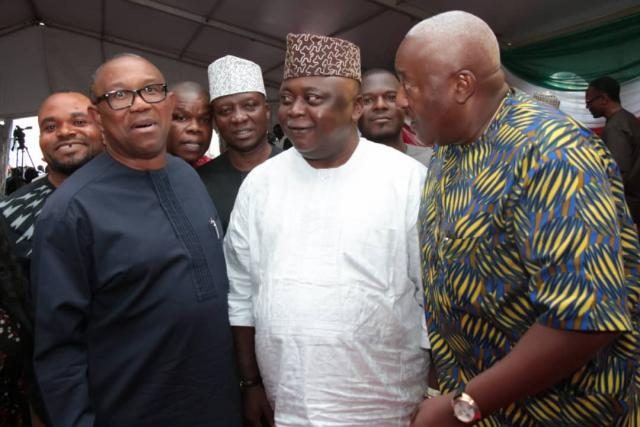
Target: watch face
{"points": [[463, 411]]}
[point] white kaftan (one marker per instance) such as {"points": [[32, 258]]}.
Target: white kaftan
{"points": [[324, 263]]}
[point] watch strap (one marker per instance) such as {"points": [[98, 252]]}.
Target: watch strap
{"points": [[251, 382]]}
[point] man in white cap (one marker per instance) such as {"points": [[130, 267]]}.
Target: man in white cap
{"points": [[241, 116], [325, 306]]}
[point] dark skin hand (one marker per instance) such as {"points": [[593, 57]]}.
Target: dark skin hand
{"points": [[436, 411], [257, 411], [437, 407], [543, 357]]}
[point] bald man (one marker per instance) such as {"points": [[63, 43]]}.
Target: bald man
{"points": [[530, 258], [129, 281], [191, 125]]}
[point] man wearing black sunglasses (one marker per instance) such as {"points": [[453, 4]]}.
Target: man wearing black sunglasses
{"points": [[129, 280], [621, 134]]}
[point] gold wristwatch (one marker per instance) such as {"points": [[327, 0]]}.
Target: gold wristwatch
{"points": [[465, 409]]}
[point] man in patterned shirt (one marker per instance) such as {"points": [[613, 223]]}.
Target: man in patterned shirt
{"points": [[530, 257], [69, 138]]}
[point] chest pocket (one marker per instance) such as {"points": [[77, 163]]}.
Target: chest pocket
{"points": [[464, 236], [203, 252], [460, 247]]}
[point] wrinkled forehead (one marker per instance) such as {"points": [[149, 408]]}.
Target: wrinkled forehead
{"points": [[191, 98], [125, 71]]}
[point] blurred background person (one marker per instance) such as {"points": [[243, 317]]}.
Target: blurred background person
{"points": [[191, 127]]}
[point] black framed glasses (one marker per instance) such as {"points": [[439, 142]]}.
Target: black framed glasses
{"points": [[588, 102], [124, 98]]}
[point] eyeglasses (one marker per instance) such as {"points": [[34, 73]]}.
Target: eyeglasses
{"points": [[588, 102], [124, 98]]}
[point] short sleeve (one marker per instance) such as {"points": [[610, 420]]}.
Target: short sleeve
{"points": [[568, 231]]}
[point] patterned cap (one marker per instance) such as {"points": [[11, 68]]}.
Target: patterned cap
{"points": [[230, 75], [312, 55]]}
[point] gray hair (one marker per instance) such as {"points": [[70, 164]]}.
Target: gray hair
{"points": [[113, 58], [461, 30]]}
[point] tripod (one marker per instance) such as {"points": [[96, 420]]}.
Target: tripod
{"points": [[19, 174]]}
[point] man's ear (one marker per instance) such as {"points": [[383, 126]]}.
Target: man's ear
{"points": [[464, 86], [357, 109]]}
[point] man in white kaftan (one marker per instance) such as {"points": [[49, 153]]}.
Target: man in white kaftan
{"points": [[333, 290]]}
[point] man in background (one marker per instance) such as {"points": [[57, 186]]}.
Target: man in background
{"points": [[241, 116], [382, 120], [621, 134], [191, 126], [69, 138]]}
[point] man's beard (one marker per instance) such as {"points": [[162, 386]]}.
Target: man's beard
{"points": [[68, 167], [387, 137]]}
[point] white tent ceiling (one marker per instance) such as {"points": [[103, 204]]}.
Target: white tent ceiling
{"points": [[50, 45]]}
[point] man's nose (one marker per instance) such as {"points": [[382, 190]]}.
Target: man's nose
{"points": [[193, 126], [66, 129], [401, 99], [238, 116], [296, 108], [139, 104], [379, 103]]}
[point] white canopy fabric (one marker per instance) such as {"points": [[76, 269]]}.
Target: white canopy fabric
{"points": [[183, 36]]}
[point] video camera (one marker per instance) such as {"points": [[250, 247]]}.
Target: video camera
{"points": [[18, 137]]}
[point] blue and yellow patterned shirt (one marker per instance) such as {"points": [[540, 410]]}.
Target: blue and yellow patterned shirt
{"points": [[528, 224]]}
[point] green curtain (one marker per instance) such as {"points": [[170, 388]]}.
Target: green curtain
{"points": [[570, 61]]}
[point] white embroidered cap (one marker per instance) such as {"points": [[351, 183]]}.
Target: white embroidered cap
{"points": [[230, 75]]}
